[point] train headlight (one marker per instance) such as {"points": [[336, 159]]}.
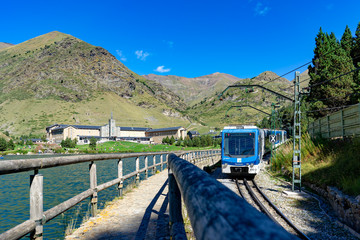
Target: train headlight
{"points": [[224, 165], [247, 164], [252, 165]]}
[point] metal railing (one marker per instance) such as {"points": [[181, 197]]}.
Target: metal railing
{"points": [[343, 123], [38, 217], [214, 210]]}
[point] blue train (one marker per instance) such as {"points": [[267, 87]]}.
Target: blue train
{"points": [[280, 136], [243, 147]]}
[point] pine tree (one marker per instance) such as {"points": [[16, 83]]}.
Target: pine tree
{"points": [[330, 60], [172, 140], [347, 41], [355, 54]]}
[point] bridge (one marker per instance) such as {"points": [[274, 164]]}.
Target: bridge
{"points": [[215, 212]]}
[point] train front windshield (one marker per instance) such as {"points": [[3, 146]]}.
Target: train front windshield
{"points": [[239, 144]]}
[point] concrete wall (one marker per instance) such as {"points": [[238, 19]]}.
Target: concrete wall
{"points": [[345, 207], [132, 134]]}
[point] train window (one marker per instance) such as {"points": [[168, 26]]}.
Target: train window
{"points": [[239, 144]]}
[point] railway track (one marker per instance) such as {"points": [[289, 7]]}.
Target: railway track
{"points": [[254, 196]]}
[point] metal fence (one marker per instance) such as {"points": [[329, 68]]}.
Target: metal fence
{"points": [[38, 217], [343, 123]]}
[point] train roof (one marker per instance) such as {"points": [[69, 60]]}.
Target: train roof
{"points": [[241, 127]]}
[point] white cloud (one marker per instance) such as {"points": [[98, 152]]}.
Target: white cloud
{"points": [[140, 54], [161, 69], [261, 10], [121, 55]]}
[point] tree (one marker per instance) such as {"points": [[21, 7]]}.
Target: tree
{"points": [[10, 145], [7, 133], [330, 60], [92, 143], [355, 54], [190, 143], [196, 142], [68, 143], [29, 142], [172, 140], [166, 140], [3, 144], [347, 41]]}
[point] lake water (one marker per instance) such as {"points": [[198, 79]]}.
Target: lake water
{"points": [[60, 184]]}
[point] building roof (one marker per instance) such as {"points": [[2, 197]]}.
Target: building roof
{"points": [[62, 126], [194, 132], [164, 129], [56, 125], [133, 129], [86, 127]]}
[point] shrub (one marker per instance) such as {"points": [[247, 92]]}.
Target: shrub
{"points": [[92, 143], [3, 144], [68, 143], [11, 145]]}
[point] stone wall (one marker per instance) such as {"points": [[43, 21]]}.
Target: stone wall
{"points": [[345, 207]]}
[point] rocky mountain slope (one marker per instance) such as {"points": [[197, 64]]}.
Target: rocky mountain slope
{"points": [[214, 112], [67, 73], [193, 90]]}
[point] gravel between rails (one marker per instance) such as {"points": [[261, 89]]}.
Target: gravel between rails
{"points": [[304, 212]]}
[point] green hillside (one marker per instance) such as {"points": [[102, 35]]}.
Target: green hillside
{"points": [[57, 78], [214, 113]]}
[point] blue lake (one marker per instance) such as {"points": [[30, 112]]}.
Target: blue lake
{"points": [[60, 184]]}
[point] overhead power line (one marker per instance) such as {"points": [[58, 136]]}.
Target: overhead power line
{"points": [[328, 80], [286, 73]]}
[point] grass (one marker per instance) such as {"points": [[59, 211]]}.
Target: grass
{"points": [[107, 147], [325, 163], [122, 146]]}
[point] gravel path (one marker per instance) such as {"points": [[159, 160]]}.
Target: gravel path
{"points": [[304, 211]]}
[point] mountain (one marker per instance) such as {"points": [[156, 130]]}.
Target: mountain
{"points": [[214, 112], [57, 78], [193, 90], [5, 45]]}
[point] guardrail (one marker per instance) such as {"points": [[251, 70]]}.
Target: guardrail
{"points": [[214, 210], [343, 123], [38, 218]]}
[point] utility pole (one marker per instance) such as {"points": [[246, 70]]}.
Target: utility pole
{"points": [[296, 164]]}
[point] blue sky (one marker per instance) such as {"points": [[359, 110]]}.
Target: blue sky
{"points": [[188, 38]]}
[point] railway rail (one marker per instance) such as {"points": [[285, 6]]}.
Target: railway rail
{"points": [[253, 194]]}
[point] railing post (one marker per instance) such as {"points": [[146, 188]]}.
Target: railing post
{"points": [[137, 180], [175, 213], [161, 162], [146, 167], [36, 204], [154, 168], [120, 175], [93, 185]]}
